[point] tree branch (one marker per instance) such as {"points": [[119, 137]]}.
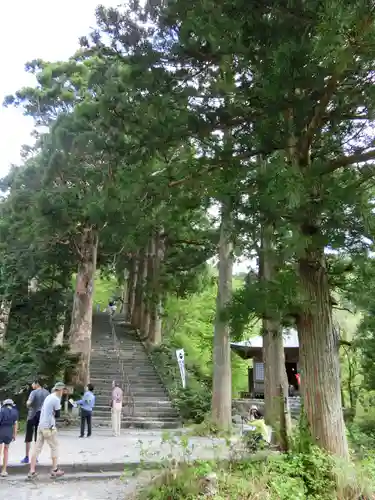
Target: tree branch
{"points": [[345, 343], [219, 164], [344, 161], [320, 109], [342, 309], [319, 112]]}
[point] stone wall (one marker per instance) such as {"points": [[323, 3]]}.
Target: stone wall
{"points": [[241, 407]]}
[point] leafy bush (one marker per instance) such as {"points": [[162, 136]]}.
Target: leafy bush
{"points": [[282, 478], [366, 425], [313, 470], [193, 402], [297, 476]]}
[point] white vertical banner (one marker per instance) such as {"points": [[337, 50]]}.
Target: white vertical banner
{"points": [[181, 364]]}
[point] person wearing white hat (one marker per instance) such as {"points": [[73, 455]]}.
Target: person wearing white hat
{"points": [[47, 432], [8, 430]]}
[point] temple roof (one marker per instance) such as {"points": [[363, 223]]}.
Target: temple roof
{"points": [[253, 346]]}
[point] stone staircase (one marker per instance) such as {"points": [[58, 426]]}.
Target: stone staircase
{"points": [[151, 407]]}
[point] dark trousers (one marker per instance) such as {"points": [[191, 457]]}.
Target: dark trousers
{"points": [[32, 428], [86, 417]]}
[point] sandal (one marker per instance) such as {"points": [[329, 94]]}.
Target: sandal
{"points": [[57, 473]]}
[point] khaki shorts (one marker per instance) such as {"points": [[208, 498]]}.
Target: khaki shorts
{"points": [[48, 436]]}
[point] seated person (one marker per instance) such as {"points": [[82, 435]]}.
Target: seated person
{"points": [[257, 424]]}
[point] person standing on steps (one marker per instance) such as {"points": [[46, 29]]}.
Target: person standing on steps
{"points": [[116, 408], [112, 307], [8, 431], [87, 404], [34, 404], [47, 432]]}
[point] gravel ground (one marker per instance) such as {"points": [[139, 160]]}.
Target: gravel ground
{"points": [[106, 489]]}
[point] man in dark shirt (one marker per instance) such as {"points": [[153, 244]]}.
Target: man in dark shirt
{"points": [[34, 405]]}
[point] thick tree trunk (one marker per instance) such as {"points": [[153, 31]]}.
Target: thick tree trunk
{"points": [[132, 285], [155, 331], [319, 357], [145, 310], [137, 314], [81, 325], [277, 413], [125, 293], [5, 307], [222, 379], [148, 295]]}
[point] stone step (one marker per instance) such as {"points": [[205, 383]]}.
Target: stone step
{"points": [[141, 379], [143, 368], [147, 381], [160, 395], [141, 365], [138, 396], [144, 424], [151, 412], [139, 389], [102, 378], [112, 356], [138, 401], [134, 419], [138, 409], [107, 355]]}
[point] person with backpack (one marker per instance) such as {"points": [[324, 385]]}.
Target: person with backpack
{"points": [[34, 404], [8, 431]]}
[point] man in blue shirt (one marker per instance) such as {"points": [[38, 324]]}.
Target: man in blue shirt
{"points": [[87, 404]]}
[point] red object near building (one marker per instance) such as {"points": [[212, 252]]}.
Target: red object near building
{"points": [[298, 377]]}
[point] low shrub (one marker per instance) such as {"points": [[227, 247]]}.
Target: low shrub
{"points": [[194, 402], [298, 476]]}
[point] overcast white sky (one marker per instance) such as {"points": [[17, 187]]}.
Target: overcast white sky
{"points": [[31, 29]]}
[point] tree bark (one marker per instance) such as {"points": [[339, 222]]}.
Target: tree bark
{"points": [[319, 356], [59, 339], [147, 322], [145, 309], [81, 325], [137, 314], [125, 293], [222, 379], [132, 285], [155, 331], [277, 413], [5, 307]]}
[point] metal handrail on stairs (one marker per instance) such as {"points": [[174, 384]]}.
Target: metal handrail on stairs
{"points": [[128, 398]]}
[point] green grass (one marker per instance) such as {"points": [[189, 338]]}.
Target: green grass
{"points": [[104, 289]]}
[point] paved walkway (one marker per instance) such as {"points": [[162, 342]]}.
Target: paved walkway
{"points": [[117, 489], [102, 451]]}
